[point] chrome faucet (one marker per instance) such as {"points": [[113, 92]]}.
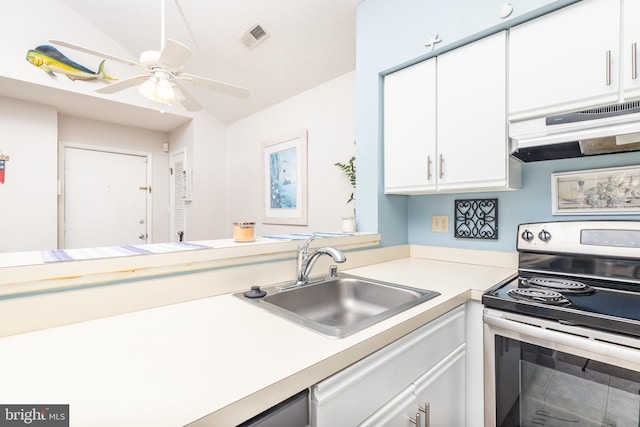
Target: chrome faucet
{"points": [[306, 260]]}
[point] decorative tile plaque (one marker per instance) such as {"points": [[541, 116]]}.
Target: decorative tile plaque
{"points": [[476, 219]]}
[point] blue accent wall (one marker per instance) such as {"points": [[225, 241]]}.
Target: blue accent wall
{"points": [[390, 35], [530, 204]]}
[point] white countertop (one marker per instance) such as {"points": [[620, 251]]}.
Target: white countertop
{"points": [[219, 358]]}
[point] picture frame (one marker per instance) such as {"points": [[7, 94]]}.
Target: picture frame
{"points": [[611, 191], [284, 172]]}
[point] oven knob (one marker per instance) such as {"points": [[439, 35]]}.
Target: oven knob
{"points": [[544, 235], [527, 235]]}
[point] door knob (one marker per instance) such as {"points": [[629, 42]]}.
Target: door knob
{"points": [[142, 236]]}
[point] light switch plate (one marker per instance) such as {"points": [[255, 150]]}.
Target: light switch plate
{"points": [[440, 223]]}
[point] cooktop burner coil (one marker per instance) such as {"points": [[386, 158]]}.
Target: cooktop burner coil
{"points": [[544, 296], [557, 284]]}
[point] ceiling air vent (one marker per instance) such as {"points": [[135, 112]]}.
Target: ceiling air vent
{"points": [[253, 36]]}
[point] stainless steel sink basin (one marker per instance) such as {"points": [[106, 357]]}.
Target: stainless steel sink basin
{"points": [[338, 307]]}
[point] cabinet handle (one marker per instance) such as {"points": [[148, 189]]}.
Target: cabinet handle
{"points": [[426, 411], [608, 66], [417, 421], [428, 168], [634, 62], [441, 166]]}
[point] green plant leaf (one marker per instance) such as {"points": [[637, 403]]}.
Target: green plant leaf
{"points": [[349, 170]]}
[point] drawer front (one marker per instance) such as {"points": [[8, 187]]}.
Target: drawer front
{"points": [[353, 394]]}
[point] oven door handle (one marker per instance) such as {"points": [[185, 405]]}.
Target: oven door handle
{"points": [[607, 350]]}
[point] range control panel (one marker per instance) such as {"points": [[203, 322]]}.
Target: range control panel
{"points": [[615, 238]]}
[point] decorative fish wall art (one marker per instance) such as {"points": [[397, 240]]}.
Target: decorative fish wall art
{"points": [[53, 61]]}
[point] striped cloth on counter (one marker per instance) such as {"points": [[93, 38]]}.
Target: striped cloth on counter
{"points": [[305, 236], [118, 251]]}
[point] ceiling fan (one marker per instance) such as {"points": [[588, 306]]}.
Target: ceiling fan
{"points": [[163, 72]]}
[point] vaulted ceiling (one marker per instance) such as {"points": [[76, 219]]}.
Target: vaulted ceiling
{"points": [[309, 42]]}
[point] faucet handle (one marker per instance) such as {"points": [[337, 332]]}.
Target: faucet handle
{"points": [[333, 271], [305, 246]]}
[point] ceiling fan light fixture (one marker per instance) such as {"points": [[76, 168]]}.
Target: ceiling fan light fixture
{"points": [[158, 88], [164, 91], [148, 88]]}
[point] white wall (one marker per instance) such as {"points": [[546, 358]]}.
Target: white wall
{"points": [[328, 113], [30, 134], [204, 138], [28, 198], [102, 134]]}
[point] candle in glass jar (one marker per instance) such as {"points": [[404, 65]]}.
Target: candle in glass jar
{"points": [[244, 232]]}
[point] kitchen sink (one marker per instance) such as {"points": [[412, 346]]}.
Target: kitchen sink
{"points": [[340, 306]]}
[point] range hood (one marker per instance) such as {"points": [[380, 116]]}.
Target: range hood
{"points": [[603, 130]]}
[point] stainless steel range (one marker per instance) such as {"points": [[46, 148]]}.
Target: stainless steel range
{"points": [[562, 340]]}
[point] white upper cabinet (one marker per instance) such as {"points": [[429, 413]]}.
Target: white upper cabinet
{"points": [[630, 48], [410, 128], [472, 114], [571, 59], [445, 123]]}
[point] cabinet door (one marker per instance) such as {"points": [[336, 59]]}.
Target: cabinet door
{"points": [[631, 49], [472, 135], [443, 389], [359, 391], [558, 62], [398, 412], [410, 128]]}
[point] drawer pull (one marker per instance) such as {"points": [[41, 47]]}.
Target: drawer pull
{"points": [[426, 410], [417, 421], [634, 61], [608, 67]]}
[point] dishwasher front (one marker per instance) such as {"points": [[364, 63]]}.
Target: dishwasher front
{"points": [[293, 412]]}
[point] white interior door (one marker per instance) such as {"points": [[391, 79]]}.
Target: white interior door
{"points": [[105, 198]]}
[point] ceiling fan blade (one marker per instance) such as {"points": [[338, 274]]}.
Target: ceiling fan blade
{"points": [[189, 102], [122, 85], [226, 88], [174, 54], [97, 53]]}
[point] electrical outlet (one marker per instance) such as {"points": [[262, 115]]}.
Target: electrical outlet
{"points": [[440, 223]]}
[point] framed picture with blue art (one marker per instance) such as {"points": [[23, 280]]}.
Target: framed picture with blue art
{"points": [[284, 163]]}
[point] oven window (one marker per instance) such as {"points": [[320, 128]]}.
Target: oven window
{"points": [[537, 386]]}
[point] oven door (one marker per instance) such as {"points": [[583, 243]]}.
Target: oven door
{"points": [[539, 372]]}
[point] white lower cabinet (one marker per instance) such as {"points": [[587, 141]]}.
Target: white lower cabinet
{"points": [[440, 392], [398, 412], [474, 369], [437, 398], [390, 386]]}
